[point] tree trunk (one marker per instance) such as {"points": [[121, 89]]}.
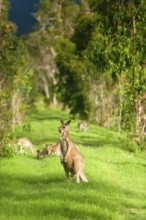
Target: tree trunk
{"points": [[13, 106], [45, 87], [1, 4]]}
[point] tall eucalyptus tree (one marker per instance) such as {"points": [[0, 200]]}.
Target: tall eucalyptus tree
{"points": [[122, 52]]}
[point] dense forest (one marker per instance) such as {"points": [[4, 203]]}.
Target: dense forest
{"points": [[86, 56]]}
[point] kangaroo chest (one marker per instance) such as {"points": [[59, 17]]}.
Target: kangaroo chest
{"points": [[64, 146]]}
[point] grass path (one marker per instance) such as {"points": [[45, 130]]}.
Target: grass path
{"points": [[36, 189]]}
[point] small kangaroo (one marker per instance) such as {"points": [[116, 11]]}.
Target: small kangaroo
{"points": [[82, 126], [45, 151], [70, 156], [25, 143]]}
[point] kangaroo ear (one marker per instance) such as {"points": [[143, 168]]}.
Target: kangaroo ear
{"points": [[68, 122], [62, 121]]}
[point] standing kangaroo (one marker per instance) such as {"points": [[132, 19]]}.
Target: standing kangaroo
{"points": [[65, 141], [69, 154]]}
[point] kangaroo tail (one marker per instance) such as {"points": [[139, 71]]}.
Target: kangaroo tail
{"points": [[83, 178]]}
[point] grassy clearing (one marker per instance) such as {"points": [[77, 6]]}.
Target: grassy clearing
{"points": [[36, 189]]}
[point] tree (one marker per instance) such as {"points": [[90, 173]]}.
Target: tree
{"points": [[122, 53], [15, 77], [73, 84], [56, 19]]}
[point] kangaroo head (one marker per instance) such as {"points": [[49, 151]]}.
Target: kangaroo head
{"points": [[38, 153], [49, 148], [63, 129]]}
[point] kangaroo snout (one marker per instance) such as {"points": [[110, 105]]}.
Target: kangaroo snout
{"points": [[38, 152]]}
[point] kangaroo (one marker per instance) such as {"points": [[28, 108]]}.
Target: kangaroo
{"points": [[74, 164], [45, 151], [70, 156], [65, 141], [25, 143], [82, 126]]}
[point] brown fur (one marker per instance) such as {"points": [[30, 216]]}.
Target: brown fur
{"points": [[25, 143], [65, 141], [82, 126], [69, 154], [74, 164], [45, 151]]}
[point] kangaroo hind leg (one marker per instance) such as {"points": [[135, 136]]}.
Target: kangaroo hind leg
{"points": [[78, 177]]}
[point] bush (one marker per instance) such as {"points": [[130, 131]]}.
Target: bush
{"points": [[11, 149], [128, 143], [8, 150]]}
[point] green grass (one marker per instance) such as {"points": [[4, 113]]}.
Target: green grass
{"points": [[36, 189]]}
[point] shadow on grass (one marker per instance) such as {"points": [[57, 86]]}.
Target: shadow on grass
{"points": [[52, 196], [122, 163], [99, 141], [95, 137], [49, 115]]}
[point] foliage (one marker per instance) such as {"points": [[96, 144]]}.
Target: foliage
{"points": [[98, 44], [128, 143], [15, 77], [73, 84], [84, 30], [88, 55], [56, 19], [121, 52]]}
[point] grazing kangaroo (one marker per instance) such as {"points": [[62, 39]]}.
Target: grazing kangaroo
{"points": [[45, 151], [82, 126], [25, 143], [69, 154]]}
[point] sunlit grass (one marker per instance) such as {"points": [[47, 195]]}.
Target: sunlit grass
{"points": [[36, 189]]}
